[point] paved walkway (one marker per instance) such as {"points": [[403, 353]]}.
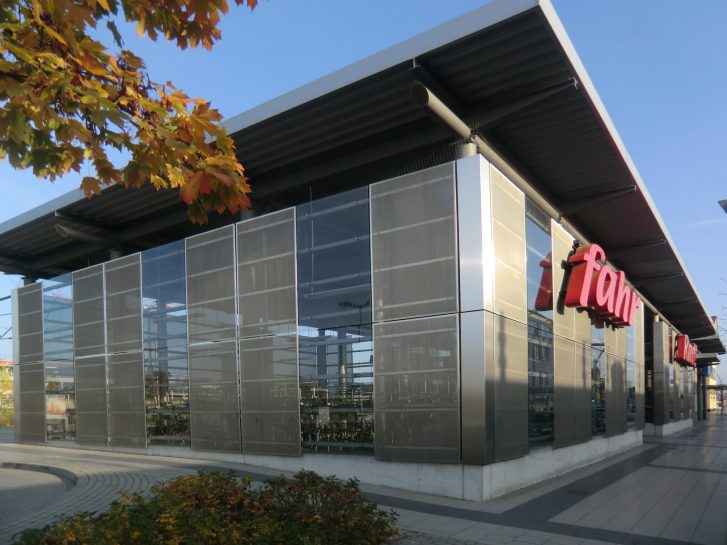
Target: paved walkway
{"points": [[669, 491]]}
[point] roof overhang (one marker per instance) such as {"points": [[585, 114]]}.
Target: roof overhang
{"points": [[359, 124]]}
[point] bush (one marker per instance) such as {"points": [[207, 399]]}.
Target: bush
{"points": [[222, 509]]}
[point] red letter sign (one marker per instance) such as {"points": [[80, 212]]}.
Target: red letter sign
{"points": [[686, 351], [594, 284]]}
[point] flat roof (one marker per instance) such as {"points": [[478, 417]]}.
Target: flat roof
{"points": [[502, 68]]}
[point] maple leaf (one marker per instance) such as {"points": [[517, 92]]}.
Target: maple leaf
{"points": [[65, 99]]}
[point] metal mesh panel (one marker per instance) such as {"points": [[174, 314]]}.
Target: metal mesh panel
{"points": [[89, 330], [266, 274], [30, 324], [414, 246], [32, 402], [126, 399], [211, 285], [269, 394], [91, 414], [123, 304], [416, 370], [214, 400]]}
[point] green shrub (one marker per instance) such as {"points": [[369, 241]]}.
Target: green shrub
{"points": [[222, 509]]}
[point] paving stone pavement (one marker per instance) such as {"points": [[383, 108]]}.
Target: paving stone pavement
{"points": [[670, 491]]}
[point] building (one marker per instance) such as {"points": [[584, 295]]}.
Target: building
{"points": [[453, 280], [6, 394]]}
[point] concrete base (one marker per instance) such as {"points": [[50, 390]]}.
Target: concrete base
{"points": [[667, 429], [476, 483]]}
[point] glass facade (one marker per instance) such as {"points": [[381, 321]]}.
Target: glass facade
{"points": [[60, 388], [598, 379], [166, 375], [334, 317], [541, 387], [331, 327]]}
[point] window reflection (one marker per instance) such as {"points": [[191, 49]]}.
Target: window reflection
{"points": [[598, 379], [165, 345], [334, 305], [540, 327], [60, 397]]}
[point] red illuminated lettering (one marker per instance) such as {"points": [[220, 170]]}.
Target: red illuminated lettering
{"points": [[596, 285], [686, 352]]}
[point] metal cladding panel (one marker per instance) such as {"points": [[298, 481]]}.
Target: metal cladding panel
{"points": [[30, 323], [564, 406], [583, 395], [508, 232], [474, 234], [211, 285], [416, 373], [89, 329], [32, 402], [414, 244], [214, 399], [266, 280], [639, 367], [270, 399], [123, 304], [564, 318], [474, 356], [615, 395], [127, 414], [511, 390], [661, 370], [91, 411]]}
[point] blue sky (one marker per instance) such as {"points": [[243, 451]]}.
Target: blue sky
{"points": [[659, 68]]}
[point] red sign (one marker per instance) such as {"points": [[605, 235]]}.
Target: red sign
{"points": [[686, 351], [595, 285]]}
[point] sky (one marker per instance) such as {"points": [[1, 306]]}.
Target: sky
{"points": [[659, 67]]}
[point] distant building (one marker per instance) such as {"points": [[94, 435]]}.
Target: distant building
{"points": [[6, 393]]}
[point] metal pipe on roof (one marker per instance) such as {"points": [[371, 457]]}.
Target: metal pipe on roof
{"points": [[424, 98]]}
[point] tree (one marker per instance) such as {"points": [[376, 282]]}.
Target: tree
{"points": [[66, 100]]}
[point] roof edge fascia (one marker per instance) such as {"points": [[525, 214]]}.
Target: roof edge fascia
{"points": [[584, 80]]}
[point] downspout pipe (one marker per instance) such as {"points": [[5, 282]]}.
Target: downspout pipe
{"points": [[424, 98]]}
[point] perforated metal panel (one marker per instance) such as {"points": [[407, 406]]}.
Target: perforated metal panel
{"points": [[123, 304], [89, 329], [127, 425], [32, 403], [214, 401], [91, 412], [414, 244], [211, 285], [416, 373], [266, 274], [269, 395], [30, 323]]}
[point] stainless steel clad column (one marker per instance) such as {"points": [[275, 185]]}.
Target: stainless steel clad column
{"points": [[510, 319], [89, 348], [661, 373], [214, 400], [639, 366], [615, 381], [416, 361], [564, 345], [125, 359], [30, 364], [266, 284], [476, 266]]}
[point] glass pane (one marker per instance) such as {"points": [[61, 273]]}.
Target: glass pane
{"points": [[336, 383], [598, 380], [334, 302], [58, 348], [166, 377], [541, 389], [630, 395]]}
